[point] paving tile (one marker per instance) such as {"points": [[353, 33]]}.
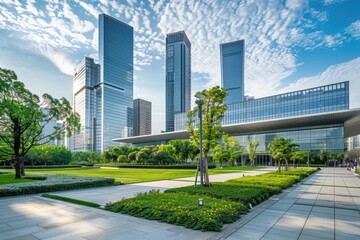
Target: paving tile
{"points": [[20, 232]]}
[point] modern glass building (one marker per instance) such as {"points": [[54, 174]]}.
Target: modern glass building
{"points": [[114, 93], [232, 70], [142, 117], [87, 75], [178, 76]]}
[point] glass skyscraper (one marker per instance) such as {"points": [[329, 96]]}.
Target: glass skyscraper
{"points": [[87, 75], [232, 70], [178, 76], [142, 117], [114, 93]]}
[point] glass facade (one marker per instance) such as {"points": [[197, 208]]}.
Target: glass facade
{"points": [[142, 117], [178, 76], [354, 142], [314, 139], [87, 74], [114, 100], [232, 70]]}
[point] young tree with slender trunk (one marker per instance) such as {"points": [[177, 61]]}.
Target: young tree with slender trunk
{"points": [[252, 146], [213, 110], [22, 119], [298, 156]]}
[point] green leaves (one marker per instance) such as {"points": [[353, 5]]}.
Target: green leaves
{"points": [[282, 149]]}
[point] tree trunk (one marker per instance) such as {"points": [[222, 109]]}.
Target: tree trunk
{"points": [[22, 167], [286, 165], [279, 166], [17, 167]]}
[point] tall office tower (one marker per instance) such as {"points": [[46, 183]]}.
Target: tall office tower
{"points": [[178, 76], [142, 117], [232, 70], [114, 93], [87, 75]]}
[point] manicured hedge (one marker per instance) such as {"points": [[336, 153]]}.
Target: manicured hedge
{"points": [[54, 183], [236, 192], [181, 209], [170, 166], [274, 181], [44, 166]]}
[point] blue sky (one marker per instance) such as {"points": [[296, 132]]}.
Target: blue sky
{"points": [[290, 45]]}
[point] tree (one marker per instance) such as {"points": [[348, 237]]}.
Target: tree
{"points": [[282, 149], [252, 146], [324, 156], [298, 156], [179, 148], [22, 119], [213, 110], [228, 151]]}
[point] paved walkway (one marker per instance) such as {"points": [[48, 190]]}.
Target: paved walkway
{"points": [[325, 207]]}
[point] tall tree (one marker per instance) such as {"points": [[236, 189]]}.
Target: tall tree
{"points": [[229, 150], [213, 110], [252, 146], [281, 149], [22, 119]]}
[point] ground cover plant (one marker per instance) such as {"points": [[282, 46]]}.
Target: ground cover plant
{"points": [[132, 175], [71, 200], [181, 209], [53, 183], [245, 193]]}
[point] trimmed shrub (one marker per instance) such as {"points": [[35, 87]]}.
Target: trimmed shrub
{"points": [[181, 209], [54, 183]]}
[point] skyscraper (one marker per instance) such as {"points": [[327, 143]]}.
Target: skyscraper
{"points": [[232, 70], [87, 75], [142, 117], [178, 76], [114, 93]]}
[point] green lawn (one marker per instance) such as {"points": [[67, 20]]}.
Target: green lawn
{"points": [[132, 175], [10, 178]]}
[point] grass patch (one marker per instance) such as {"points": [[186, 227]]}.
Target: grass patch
{"points": [[71, 200], [132, 175], [10, 179], [181, 209]]}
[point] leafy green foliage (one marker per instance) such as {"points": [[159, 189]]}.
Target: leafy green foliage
{"points": [[181, 209], [48, 155], [245, 193], [282, 149], [22, 119], [71, 200], [86, 157], [213, 110], [298, 156], [228, 151], [159, 166], [252, 146]]}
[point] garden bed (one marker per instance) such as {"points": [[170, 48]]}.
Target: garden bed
{"points": [[54, 183], [181, 209]]}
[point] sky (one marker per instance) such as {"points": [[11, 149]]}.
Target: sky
{"points": [[290, 45]]}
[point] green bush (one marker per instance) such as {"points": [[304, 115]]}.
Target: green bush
{"points": [[48, 155], [85, 157], [269, 180], [123, 159], [236, 192], [181, 209], [54, 183], [170, 166]]}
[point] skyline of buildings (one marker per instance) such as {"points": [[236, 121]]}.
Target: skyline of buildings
{"points": [[232, 57], [178, 76], [142, 117]]}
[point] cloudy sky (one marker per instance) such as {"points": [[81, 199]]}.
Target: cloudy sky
{"points": [[290, 45]]}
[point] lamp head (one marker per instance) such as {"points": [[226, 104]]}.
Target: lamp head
{"points": [[200, 96]]}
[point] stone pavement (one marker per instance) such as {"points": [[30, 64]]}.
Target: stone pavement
{"points": [[326, 206], [104, 195]]}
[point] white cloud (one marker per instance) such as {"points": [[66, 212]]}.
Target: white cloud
{"points": [[354, 29], [347, 71]]}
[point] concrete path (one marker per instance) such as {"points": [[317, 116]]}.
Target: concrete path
{"points": [[105, 195], [326, 206]]}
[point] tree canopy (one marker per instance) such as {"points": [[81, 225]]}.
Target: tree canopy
{"points": [[23, 118], [252, 146], [282, 149], [213, 110]]}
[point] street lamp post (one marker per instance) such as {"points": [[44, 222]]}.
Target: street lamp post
{"points": [[200, 102]]}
